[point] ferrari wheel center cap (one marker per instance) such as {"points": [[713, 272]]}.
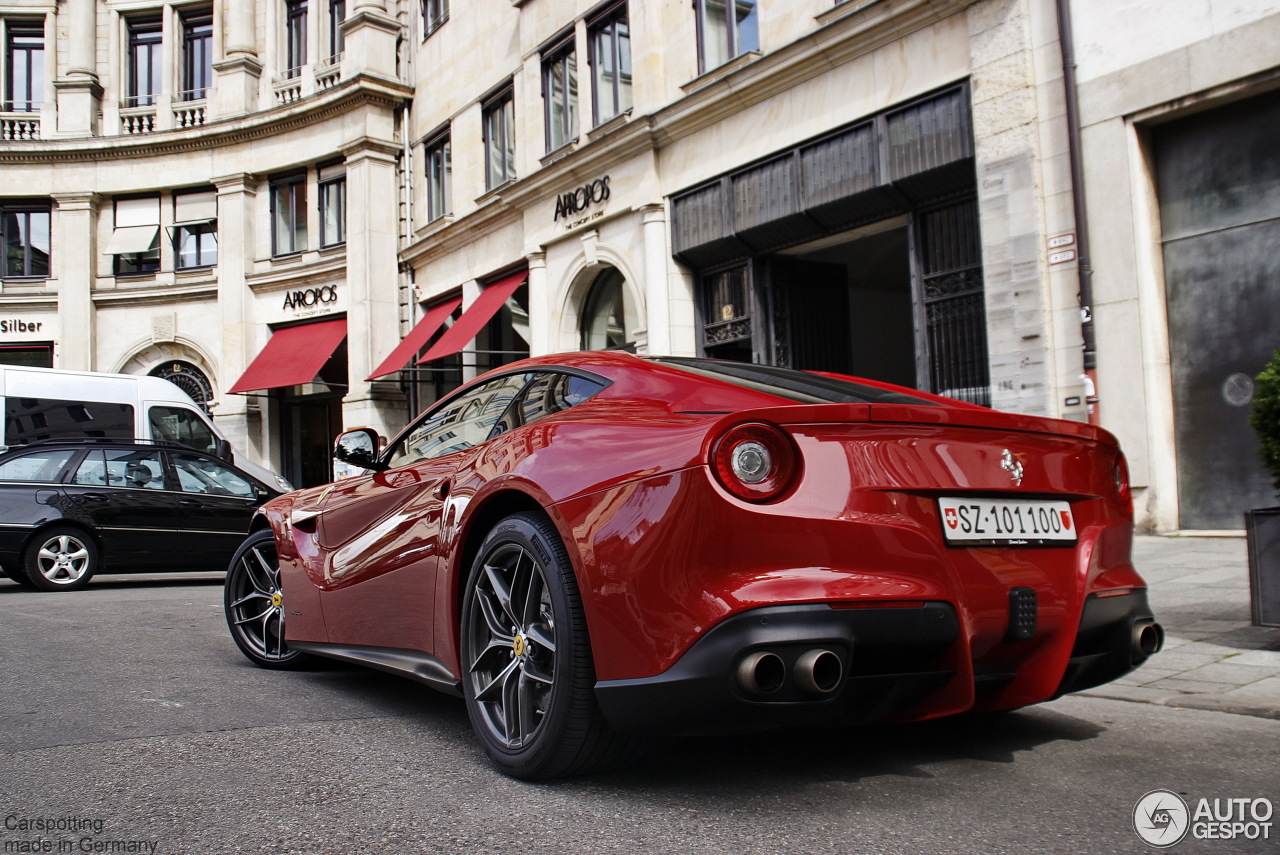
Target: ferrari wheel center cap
{"points": [[276, 599], [518, 645]]}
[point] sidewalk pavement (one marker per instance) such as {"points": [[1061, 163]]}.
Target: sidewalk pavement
{"points": [[1213, 657]]}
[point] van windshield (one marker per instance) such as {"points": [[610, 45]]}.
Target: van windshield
{"points": [[176, 424]]}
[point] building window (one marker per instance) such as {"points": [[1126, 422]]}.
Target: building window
{"points": [[295, 34], [23, 67], [144, 63], [289, 214], [609, 38], [726, 28], [727, 323], [337, 14], [29, 355], [609, 315], [500, 139], [25, 232], [197, 56], [333, 205], [195, 229], [560, 94], [434, 13], [135, 243], [439, 177]]}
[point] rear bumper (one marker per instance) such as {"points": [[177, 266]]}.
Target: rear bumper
{"points": [[895, 663], [890, 659]]}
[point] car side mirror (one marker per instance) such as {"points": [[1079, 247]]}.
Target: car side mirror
{"points": [[359, 447], [222, 449]]}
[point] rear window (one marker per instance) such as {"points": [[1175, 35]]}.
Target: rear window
{"points": [[44, 465], [799, 386]]}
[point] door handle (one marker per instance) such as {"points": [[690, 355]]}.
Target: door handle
{"points": [[94, 497], [189, 503], [441, 491]]}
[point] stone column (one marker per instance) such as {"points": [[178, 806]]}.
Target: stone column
{"points": [[236, 194], [369, 38], [373, 314], [75, 267], [79, 93], [235, 87], [656, 292], [542, 327]]}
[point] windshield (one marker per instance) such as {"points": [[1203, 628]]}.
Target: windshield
{"points": [[799, 386]]}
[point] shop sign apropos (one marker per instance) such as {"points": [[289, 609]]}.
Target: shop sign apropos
{"points": [[582, 204], [309, 302]]}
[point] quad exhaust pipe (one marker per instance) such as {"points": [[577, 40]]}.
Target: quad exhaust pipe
{"points": [[1147, 639], [816, 672]]}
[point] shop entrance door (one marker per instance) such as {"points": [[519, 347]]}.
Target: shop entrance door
{"points": [[310, 426], [1218, 182]]}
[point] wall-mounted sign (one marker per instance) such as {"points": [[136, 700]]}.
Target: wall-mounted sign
{"points": [[576, 201], [310, 298], [1062, 256], [21, 326], [1062, 240]]}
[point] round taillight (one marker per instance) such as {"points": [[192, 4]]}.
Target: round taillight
{"points": [[1120, 472], [755, 462]]}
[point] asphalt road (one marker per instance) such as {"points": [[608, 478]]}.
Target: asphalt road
{"points": [[128, 718]]}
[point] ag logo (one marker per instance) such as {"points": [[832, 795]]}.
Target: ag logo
{"points": [[1161, 818]]}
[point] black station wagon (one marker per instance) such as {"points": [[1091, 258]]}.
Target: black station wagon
{"points": [[72, 508]]}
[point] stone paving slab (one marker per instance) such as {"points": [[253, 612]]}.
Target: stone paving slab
{"points": [[1213, 658]]}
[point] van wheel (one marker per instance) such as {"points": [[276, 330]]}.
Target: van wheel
{"points": [[61, 558]]}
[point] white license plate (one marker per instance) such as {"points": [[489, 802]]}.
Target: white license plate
{"points": [[987, 521]]}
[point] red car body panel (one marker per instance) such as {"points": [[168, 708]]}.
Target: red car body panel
{"points": [[663, 553]]}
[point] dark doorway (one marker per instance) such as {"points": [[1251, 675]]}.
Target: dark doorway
{"points": [[1218, 183], [312, 419]]}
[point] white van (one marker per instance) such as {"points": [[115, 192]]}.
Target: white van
{"points": [[49, 403]]}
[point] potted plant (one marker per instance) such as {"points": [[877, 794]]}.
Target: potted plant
{"points": [[1262, 525]]}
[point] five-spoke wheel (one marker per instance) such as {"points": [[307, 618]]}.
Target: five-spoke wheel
{"points": [[61, 558], [526, 657], [254, 604]]}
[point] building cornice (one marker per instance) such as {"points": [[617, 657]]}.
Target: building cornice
{"points": [[361, 89], [294, 274], [159, 294]]}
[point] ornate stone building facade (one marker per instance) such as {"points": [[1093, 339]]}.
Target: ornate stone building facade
{"points": [[331, 213]]}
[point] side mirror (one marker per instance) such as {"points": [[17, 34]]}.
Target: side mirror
{"points": [[222, 450], [359, 447]]}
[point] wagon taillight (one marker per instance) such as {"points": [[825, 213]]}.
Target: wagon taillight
{"points": [[755, 462]]}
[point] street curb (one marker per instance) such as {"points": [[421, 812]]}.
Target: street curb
{"points": [[1211, 703]]}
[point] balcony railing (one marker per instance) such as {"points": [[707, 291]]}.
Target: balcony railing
{"points": [[19, 126], [328, 74], [137, 120], [190, 114]]}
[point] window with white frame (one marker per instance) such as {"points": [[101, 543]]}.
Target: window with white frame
{"points": [[333, 204], [726, 28], [499, 118], [289, 214], [337, 14], [145, 61], [439, 160], [609, 45], [195, 229], [197, 55], [23, 68], [24, 234], [560, 93], [434, 13], [295, 37], [135, 242]]}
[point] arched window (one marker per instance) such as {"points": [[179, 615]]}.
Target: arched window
{"points": [[609, 318]]}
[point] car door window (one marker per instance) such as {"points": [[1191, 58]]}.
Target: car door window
{"points": [[92, 471], [201, 475], [461, 423], [176, 424], [139, 469], [45, 465]]}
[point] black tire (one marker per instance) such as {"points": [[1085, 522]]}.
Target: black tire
{"points": [[528, 676], [254, 605], [61, 558]]}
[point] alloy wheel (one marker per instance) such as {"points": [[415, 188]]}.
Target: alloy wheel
{"points": [[255, 603], [63, 559]]}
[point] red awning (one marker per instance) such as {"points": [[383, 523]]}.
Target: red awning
{"points": [[476, 316], [293, 355], [417, 337]]}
